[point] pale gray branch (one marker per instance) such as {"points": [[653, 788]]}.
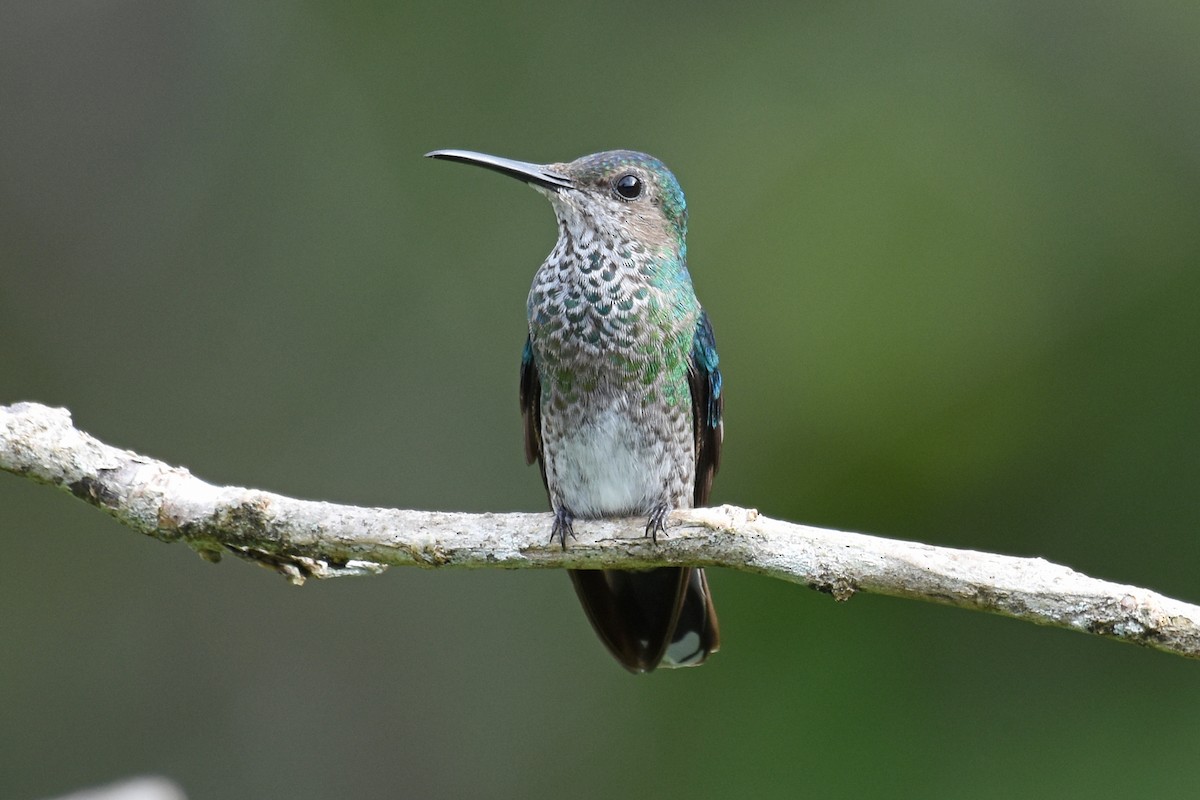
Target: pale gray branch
{"points": [[303, 539]]}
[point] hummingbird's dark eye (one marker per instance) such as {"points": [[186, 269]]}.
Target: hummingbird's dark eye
{"points": [[628, 186]]}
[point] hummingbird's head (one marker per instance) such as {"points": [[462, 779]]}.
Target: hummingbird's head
{"points": [[624, 193], [617, 194]]}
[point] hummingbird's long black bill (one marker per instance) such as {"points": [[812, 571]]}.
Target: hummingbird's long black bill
{"points": [[521, 170]]}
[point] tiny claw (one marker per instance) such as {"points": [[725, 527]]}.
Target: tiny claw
{"points": [[657, 521], [563, 527]]}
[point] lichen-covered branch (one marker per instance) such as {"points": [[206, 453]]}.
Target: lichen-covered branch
{"points": [[304, 539]]}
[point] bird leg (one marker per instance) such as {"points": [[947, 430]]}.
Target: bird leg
{"points": [[658, 521], [564, 526]]}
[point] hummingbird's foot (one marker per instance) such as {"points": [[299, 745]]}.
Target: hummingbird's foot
{"points": [[564, 526], [658, 521]]}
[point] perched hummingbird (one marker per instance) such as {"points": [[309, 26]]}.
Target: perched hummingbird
{"points": [[620, 388]]}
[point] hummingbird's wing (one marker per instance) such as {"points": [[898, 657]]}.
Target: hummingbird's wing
{"points": [[708, 405], [531, 410]]}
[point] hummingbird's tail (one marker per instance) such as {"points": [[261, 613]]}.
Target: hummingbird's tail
{"points": [[660, 617]]}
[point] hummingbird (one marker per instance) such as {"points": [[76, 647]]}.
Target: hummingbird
{"points": [[620, 388]]}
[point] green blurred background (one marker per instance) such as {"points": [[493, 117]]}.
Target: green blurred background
{"points": [[950, 251]]}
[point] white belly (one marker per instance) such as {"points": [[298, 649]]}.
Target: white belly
{"points": [[610, 464]]}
